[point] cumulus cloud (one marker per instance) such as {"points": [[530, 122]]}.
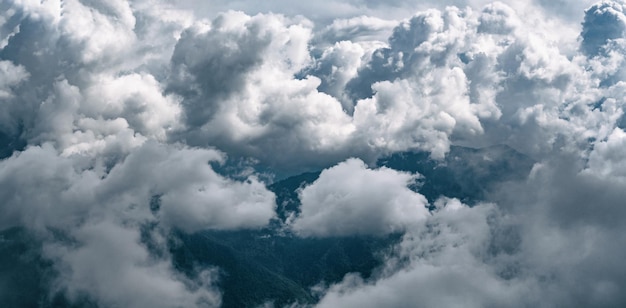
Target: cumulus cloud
{"points": [[114, 111], [112, 267], [83, 107], [606, 157], [351, 199], [444, 260], [317, 11], [100, 216], [552, 240], [604, 22], [243, 96], [430, 86], [12, 75], [86, 98], [192, 196], [356, 29], [230, 95], [570, 217], [336, 67]]}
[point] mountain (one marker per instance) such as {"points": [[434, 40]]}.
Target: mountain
{"points": [[466, 173]]}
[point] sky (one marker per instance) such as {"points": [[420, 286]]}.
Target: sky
{"points": [[105, 106]]}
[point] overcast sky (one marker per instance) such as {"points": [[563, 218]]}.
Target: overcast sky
{"points": [[111, 106]]}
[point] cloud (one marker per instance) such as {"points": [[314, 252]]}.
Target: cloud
{"points": [[606, 157], [114, 111], [12, 75], [255, 107], [567, 213], [431, 86], [604, 21], [351, 199], [551, 240], [111, 266], [80, 88], [91, 220], [192, 196], [336, 67], [356, 29], [317, 11], [78, 76], [439, 262], [414, 94]]}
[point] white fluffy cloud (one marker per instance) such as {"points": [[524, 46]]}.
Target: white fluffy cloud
{"points": [[112, 266], [351, 199], [607, 157], [81, 92], [443, 77], [115, 110], [419, 93], [242, 96], [553, 240], [100, 215], [193, 197], [441, 261], [11, 76]]}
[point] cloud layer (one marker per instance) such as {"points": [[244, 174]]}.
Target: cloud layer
{"points": [[114, 116]]}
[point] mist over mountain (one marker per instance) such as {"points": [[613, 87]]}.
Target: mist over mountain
{"points": [[273, 264], [158, 153]]}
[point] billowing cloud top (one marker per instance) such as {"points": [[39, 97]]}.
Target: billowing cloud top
{"points": [[350, 199], [118, 119]]}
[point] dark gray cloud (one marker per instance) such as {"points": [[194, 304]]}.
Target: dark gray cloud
{"points": [[209, 65], [604, 22], [356, 29]]}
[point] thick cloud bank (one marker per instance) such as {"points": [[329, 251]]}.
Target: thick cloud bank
{"points": [[114, 117], [100, 217], [555, 239], [438, 263]]}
